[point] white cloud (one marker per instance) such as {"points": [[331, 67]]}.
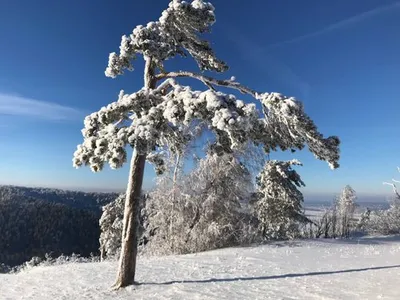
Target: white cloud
{"points": [[25, 107], [338, 25]]}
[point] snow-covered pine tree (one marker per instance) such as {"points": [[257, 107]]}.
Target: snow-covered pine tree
{"points": [[111, 224], [278, 204], [364, 219], [345, 208], [154, 116], [111, 227]]}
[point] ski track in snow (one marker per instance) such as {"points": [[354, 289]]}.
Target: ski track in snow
{"points": [[367, 268]]}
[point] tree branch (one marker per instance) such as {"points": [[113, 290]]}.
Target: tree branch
{"points": [[208, 81], [119, 121], [394, 188]]}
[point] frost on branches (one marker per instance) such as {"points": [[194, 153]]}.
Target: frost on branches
{"points": [[386, 221], [202, 211], [111, 224], [151, 118], [175, 33], [111, 228], [278, 202], [157, 116], [345, 208]]}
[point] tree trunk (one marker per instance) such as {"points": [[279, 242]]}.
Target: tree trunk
{"points": [[127, 262], [171, 223]]}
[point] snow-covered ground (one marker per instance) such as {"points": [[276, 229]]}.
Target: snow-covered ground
{"points": [[315, 211], [367, 268]]}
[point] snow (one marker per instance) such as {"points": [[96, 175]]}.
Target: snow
{"points": [[159, 114], [177, 32], [367, 268]]}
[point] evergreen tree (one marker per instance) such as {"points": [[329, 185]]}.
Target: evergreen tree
{"points": [[155, 116], [278, 204], [111, 227]]}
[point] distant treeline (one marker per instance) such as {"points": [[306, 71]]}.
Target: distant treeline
{"points": [[36, 221], [76, 199]]}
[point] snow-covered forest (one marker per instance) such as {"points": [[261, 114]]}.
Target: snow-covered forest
{"points": [[36, 222], [223, 219]]}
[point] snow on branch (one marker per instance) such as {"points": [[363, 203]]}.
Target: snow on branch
{"points": [[158, 118], [393, 185], [278, 200], [209, 81], [287, 126], [286, 120], [175, 33], [394, 188], [275, 170]]}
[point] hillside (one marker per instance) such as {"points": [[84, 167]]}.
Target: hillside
{"points": [[367, 268], [33, 227], [36, 221], [75, 199]]}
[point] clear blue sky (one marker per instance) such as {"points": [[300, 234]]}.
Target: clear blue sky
{"points": [[341, 58]]}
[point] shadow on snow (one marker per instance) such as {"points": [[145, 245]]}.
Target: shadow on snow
{"points": [[290, 275], [363, 240]]}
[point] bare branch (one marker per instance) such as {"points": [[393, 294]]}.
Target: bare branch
{"points": [[119, 121], [209, 81], [394, 188]]}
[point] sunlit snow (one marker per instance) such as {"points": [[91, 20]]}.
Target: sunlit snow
{"points": [[367, 268]]}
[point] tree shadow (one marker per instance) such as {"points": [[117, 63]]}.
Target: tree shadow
{"points": [[290, 275], [363, 240], [279, 244]]}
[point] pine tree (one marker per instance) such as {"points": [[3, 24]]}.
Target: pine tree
{"points": [[155, 116], [278, 205], [111, 227]]}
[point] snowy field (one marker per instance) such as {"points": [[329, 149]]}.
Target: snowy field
{"points": [[367, 268], [316, 209]]}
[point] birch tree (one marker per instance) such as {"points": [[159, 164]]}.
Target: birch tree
{"points": [[154, 117], [201, 212], [387, 221], [393, 185], [345, 208]]}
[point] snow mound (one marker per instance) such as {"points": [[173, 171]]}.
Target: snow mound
{"points": [[367, 268]]}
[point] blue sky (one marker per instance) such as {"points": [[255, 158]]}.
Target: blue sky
{"points": [[341, 58]]}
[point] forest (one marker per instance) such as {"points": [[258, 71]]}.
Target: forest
{"points": [[36, 221]]}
